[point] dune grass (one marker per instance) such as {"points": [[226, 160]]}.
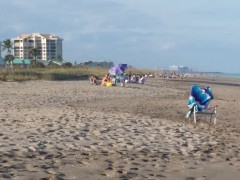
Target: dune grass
{"points": [[82, 73]]}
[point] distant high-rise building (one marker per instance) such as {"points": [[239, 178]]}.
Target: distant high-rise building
{"points": [[180, 69], [49, 46]]}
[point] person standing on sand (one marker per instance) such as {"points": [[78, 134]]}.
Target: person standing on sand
{"points": [[129, 76], [122, 79]]}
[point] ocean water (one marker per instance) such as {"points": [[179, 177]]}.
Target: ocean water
{"points": [[231, 75]]}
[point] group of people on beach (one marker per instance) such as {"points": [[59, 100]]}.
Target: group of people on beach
{"points": [[107, 80], [113, 80], [174, 75], [97, 81], [137, 79]]}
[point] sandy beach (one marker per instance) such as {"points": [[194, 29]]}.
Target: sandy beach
{"points": [[74, 130]]}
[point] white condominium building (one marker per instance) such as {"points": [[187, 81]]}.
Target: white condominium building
{"points": [[49, 46]]}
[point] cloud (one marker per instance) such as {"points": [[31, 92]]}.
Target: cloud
{"points": [[167, 46], [18, 27]]}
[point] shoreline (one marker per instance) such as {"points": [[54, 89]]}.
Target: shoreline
{"points": [[226, 81]]}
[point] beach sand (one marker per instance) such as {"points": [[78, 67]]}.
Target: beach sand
{"points": [[74, 130]]}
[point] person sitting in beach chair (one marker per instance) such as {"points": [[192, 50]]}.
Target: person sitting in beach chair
{"points": [[199, 103], [107, 81]]}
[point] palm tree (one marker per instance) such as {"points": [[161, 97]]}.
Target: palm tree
{"points": [[34, 52], [7, 45], [9, 58]]}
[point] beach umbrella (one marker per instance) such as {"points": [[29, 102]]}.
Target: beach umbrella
{"points": [[123, 67], [115, 70], [118, 69]]}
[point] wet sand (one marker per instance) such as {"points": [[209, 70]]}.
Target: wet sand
{"points": [[74, 130]]}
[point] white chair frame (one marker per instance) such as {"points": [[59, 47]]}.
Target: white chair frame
{"points": [[211, 112]]}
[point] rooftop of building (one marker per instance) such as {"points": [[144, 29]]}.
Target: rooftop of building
{"points": [[47, 36]]}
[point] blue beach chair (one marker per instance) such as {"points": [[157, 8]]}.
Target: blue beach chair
{"points": [[199, 103]]}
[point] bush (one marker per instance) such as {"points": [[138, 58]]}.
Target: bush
{"points": [[67, 65]]}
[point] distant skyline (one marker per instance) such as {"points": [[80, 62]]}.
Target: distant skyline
{"points": [[203, 35]]}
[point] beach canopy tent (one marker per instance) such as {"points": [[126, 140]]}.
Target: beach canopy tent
{"points": [[199, 103]]}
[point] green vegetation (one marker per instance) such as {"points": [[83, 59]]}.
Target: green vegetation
{"points": [[34, 52], [74, 73], [7, 45], [9, 58]]}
